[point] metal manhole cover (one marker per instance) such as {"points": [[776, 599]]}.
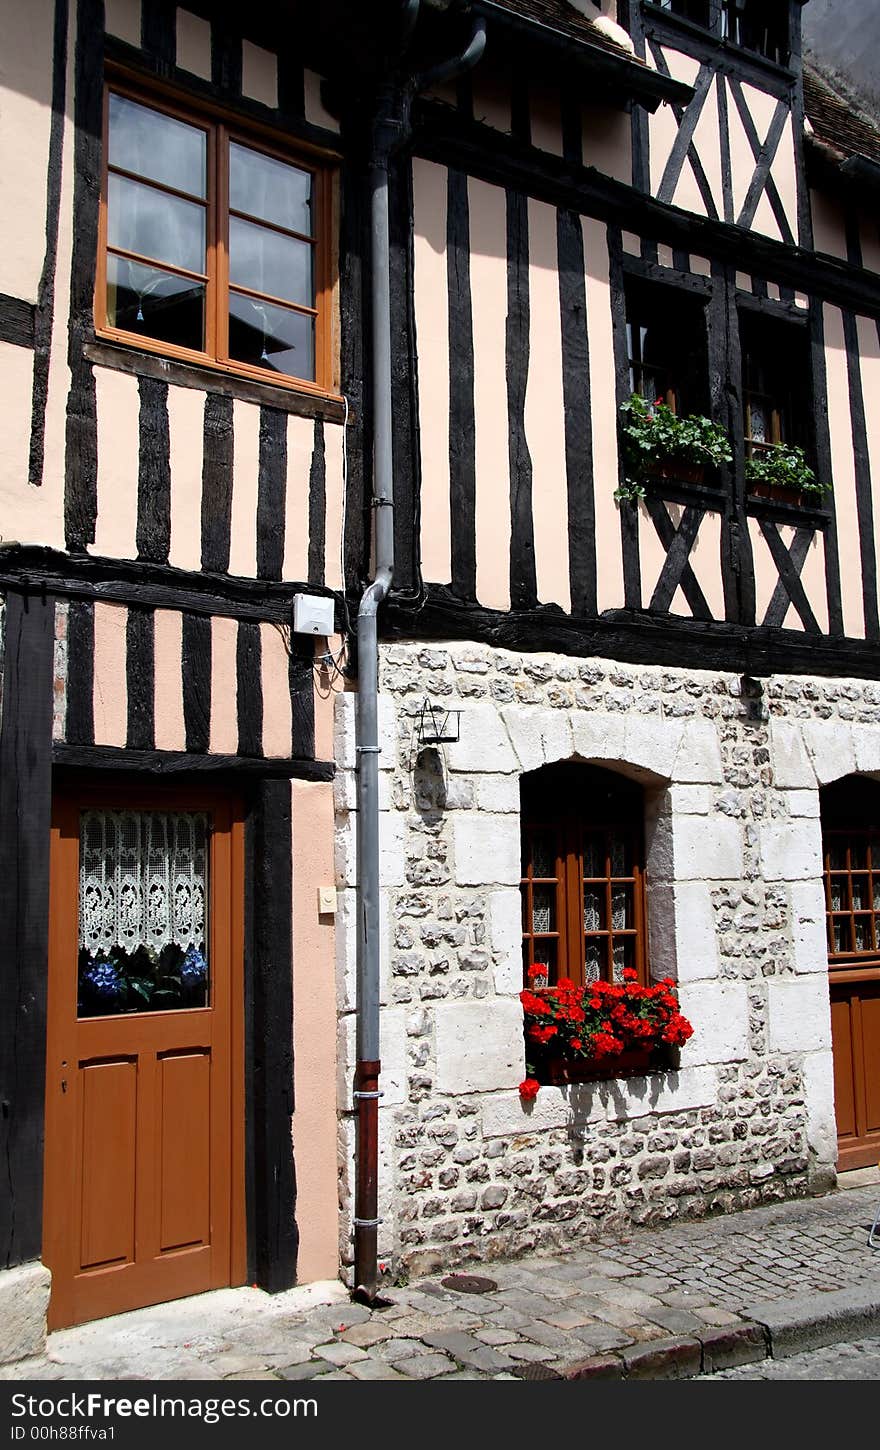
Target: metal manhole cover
{"points": [[469, 1284], [536, 1372]]}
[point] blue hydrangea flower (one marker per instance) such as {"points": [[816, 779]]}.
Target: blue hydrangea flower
{"points": [[194, 968], [103, 977]]}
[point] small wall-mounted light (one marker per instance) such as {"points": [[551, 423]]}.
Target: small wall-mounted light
{"points": [[436, 726]]}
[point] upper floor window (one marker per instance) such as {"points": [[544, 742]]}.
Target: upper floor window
{"points": [[699, 11], [666, 346], [759, 25], [776, 405], [213, 245], [583, 873]]}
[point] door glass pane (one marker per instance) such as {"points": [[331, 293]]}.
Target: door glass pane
{"points": [[268, 262], [153, 224], [270, 189], [271, 337], [621, 856], [155, 303], [157, 146], [143, 897]]}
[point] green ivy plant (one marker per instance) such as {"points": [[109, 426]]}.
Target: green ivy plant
{"points": [[651, 434], [785, 466]]}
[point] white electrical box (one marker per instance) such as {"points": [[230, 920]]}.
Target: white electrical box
{"points": [[312, 614]]}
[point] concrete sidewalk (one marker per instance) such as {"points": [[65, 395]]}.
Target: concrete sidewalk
{"points": [[673, 1302]]}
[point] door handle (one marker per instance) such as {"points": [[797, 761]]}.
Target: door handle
{"points": [[64, 1084]]}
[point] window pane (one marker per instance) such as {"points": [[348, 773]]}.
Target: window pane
{"points": [[156, 225], [143, 894], [268, 262], [543, 904], [621, 856], [858, 853], [837, 856], [621, 908], [860, 895], [157, 146], [838, 893], [543, 849], [270, 189], [594, 856], [624, 952], [594, 902], [155, 304], [863, 933], [593, 956], [271, 337]]}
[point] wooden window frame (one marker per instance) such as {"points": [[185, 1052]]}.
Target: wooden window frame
{"points": [[645, 303], [567, 826], [222, 127], [786, 407], [847, 916]]}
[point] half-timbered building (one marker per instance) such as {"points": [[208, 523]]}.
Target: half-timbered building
{"points": [[253, 395]]}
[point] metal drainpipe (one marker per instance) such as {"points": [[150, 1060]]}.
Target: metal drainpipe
{"points": [[388, 131]]}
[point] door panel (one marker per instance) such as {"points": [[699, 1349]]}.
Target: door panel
{"points": [[184, 1118], [109, 1148], [143, 1195], [855, 1036]]}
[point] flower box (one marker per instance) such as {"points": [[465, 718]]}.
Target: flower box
{"points": [[634, 1062], [672, 470]]}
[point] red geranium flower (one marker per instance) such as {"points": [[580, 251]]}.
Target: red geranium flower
{"points": [[528, 1089]]}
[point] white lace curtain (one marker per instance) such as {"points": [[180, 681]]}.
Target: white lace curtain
{"points": [[142, 879]]}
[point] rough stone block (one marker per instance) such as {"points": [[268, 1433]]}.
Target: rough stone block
{"points": [[727, 1348], [681, 930], [798, 1014], [505, 1115], [830, 747], [808, 926], [505, 916], [791, 850], [706, 849], [663, 1359], [392, 861], [597, 736], [24, 1299], [393, 1044], [487, 850], [652, 744], [818, 1077], [803, 804], [345, 731], [690, 800], [538, 736], [792, 767], [668, 1092], [719, 1016], [479, 1046], [698, 760], [483, 743], [866, 744], [498, 793], [598, 1367]]}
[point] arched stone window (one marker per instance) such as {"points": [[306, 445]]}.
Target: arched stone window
{"points": [[583, 873]]}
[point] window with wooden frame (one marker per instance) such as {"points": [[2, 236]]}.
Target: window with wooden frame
{"points": [[666, 346], [851, 869], [758, 25], [699, 12], [213, 244], [776, 383], [583, 873]]}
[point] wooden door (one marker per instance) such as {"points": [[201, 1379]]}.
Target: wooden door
{"points": [[851, 850], [143, 1195], [855, 1035]]}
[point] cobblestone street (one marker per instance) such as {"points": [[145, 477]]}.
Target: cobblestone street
{"points": [[673, 1302]]}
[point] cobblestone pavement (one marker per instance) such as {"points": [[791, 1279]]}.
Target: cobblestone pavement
{"points": [[857, 1361], [650, 1302]]}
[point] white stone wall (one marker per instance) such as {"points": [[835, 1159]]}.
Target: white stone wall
{"points": [[736, 915]]}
